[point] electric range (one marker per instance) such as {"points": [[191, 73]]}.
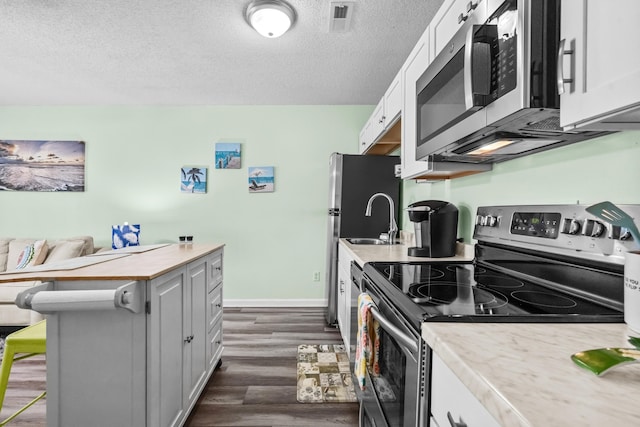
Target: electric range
{"points": [[551, 263]]}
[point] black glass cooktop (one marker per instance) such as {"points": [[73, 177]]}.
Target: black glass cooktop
{"points": [[466, 292]]}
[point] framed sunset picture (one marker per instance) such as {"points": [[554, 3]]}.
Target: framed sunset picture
{"points": [[36, 165], [261, 179]]}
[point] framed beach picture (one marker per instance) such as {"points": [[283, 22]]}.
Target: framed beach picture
{"points": [[227, 155], [193, 180], [261, 179], [41, 165]]}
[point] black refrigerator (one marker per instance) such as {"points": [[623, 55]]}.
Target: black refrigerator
{"points": [[353, 179]]}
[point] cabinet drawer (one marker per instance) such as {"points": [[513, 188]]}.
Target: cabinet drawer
{"points": [[214, 307], [450, 398], [214, 343], [215, 272]]}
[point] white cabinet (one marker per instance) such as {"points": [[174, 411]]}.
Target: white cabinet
{"points": [[377, 136], [450, 17], [195, 332], [413, 68], [393, 101], [344, 294], [166, 358], [185, 315], [143, 364], [602, 63], [452, 403]]}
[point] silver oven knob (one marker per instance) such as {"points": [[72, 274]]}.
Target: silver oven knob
{"points": [[492, 221], [594, 228], [479, 220], [571, 226], [625, 234]]}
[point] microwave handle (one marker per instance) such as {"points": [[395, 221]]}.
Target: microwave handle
{"points": [[477, 71]]}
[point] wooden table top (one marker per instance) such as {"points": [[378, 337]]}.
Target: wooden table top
{"points": [[135, 266]]}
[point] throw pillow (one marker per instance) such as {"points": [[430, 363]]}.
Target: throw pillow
{"points": [[33, 254], [4, 253], [88, 244], [65, 249]]}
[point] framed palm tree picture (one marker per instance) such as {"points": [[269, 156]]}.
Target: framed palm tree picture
{"points": [[193, 179]]}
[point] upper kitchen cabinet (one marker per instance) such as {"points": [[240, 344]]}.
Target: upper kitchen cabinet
{"points": [[601, 71], [449, 18], [412, 70], [381, 133]]}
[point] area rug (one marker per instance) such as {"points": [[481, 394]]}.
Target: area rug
{"points": [[324, 375]]}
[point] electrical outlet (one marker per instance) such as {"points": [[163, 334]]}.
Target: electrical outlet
{"points": [[316, 276]]}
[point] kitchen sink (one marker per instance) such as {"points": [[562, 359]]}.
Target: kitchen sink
{"points": [[369, 241]]}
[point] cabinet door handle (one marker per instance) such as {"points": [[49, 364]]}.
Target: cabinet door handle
{"points": [[560, 68], [453, 423], [462, 17]]}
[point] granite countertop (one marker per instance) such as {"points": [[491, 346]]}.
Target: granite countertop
{"points": [[523, 374], [370, 253]]}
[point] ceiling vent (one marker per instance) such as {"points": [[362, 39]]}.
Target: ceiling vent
{"points": [[340, 16]]}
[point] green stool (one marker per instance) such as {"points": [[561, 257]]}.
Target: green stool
{"points": [[27, 342]]}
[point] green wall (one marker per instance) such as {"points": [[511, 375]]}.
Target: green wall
{"points": [[606, 168], [274, 241]]}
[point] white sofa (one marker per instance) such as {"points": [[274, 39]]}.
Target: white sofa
{"points": [[52, 250]]}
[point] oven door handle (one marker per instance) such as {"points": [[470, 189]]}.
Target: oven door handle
{"points": [[404, 339]]}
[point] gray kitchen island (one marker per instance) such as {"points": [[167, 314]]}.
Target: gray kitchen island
{"points": [[132, 337]]}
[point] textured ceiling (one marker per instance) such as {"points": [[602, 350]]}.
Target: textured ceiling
{"points": [[199, 52]]}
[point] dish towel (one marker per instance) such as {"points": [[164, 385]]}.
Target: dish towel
{"points": [[368, 342]]}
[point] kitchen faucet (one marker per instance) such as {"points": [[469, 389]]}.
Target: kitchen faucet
{"points": [[393, 227]]}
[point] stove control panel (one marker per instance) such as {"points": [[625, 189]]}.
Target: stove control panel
{"points": [[536, 224], [566, 228]]}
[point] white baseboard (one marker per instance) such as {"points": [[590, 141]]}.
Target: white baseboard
{"points": [[275, 302]]}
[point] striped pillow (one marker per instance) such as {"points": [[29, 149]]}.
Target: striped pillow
{"points": [[33, 254]]}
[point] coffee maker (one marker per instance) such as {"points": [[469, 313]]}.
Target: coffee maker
{"points": [[436, 228]]}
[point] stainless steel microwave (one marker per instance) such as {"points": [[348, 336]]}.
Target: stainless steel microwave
{"points": [[491, 94]]}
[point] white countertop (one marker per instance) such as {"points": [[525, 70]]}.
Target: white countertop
{"points": [[523, 374], [369, 253]]}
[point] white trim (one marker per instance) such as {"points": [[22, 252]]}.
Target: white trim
{"points": [[275, 302]]}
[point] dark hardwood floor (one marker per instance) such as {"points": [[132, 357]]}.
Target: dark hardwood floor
{"points": [[256, 383], [27, 380], [254, 386]]}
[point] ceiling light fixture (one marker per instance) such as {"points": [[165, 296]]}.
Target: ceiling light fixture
{"points": [[270, 18]]}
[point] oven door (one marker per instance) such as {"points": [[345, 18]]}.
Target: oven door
{"points": [[393, 398]]}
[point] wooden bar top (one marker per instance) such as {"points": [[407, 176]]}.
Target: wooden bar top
{"points": [[135, 266]]}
